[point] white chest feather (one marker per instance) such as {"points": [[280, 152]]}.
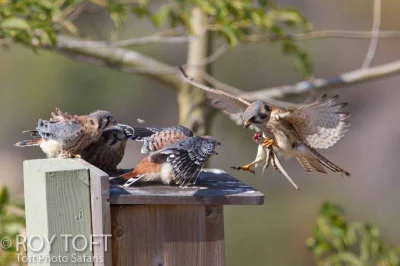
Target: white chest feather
{"points": [[164, 176], [284, 136], [51, 148], [166, 173]]}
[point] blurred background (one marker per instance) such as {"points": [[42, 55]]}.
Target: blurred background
{"points": [[33, 83]]}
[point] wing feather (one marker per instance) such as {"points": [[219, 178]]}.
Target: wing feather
{"points": [[187, 157], [321, 123], [232, 105]]}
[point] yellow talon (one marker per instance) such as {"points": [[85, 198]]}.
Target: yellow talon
{"points": [[246, 168], [268, 143]]}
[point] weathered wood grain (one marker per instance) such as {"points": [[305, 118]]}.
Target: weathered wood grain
{"points": [[101, 216], [213, 187], [168, 235], [57, 202]]}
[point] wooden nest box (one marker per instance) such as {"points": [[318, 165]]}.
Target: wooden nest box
{"points": [[149, 225]]}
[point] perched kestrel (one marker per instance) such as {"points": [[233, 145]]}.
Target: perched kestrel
{"points": [[179, 162], [291, 132], [66, 135], [108, 151]]}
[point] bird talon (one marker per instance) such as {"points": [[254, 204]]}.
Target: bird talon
{"points": [[244, 168], [267, 143]]}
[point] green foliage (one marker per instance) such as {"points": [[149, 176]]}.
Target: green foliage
{"points": [[237, 21], [27, 22], [338, 242], [35, 22], [12, 223]]}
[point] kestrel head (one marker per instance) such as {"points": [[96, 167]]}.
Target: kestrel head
{"points": [[104, 119], [257, 113], [212, 140], [113, 135]]}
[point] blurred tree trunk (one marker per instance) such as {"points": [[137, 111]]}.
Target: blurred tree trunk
{"points": [[194, 110]]}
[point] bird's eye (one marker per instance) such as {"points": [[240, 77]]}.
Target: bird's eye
{"points": [[262, 115], [267, 108], [109, 118]]}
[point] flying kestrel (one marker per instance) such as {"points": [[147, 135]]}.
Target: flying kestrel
{"points": [[66, 135], [291, 132]]}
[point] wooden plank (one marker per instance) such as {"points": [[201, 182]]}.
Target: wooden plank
{"points": [[214, 235], [101, 216], [214, 187], [164, 235], [57, 203]]}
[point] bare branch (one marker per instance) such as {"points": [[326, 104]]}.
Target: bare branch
{"points": [[330, 34], [375, 34], [268, 95], [213, 57], [126, 60], [150, 39], [345, 79], [220, 85], [225, 87], [117, 58]]}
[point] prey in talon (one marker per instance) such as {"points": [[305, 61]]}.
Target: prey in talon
{"points": [[270, 157], [248, 167], [297, 131]]}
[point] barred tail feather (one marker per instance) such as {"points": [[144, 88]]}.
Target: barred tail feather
{"points": [[125, 179], [28, 143], [328, 164]]}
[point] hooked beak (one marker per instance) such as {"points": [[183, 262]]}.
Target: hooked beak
{"points": [[247, 124]]}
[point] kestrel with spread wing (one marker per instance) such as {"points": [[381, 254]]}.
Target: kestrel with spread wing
{"points": [[66, 135], [291, 132], [179, 163], [155, 139]]}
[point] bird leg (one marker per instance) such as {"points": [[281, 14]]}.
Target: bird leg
{"points": [[247, 167], [268, 159], [267, 143], [272, 158]]}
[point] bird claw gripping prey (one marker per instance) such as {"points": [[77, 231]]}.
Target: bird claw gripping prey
{"points": [[294, 132], [272, 158], [267, 143]]}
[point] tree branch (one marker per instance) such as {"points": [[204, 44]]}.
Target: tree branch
{"points": [[156, 38], [345, 79], [117, 58], [375, 34], [347, 34], [268, 95]]}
